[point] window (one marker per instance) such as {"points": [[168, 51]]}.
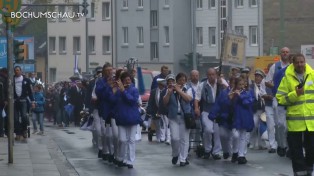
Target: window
{"points": [[212, 36], [106, 47], [52, 45], [239, 30], [125, 4], [125, 35], [154, 50], [239, 3], [62, 45], [76, 9], [140, 3], [167, 3], [153, 18], [253, 3], [92, 8], [199, 34], [223, 18], [91, 44], [76, 45], [166, 34], [62, 11], [105, 10], [211, 4], [52, 74], [140, 33], [253, 36], [199, 4]]}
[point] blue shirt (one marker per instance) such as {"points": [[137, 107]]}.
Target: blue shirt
{"points": [[277, 79]]}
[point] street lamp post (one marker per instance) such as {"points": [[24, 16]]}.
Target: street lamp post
{"points": [[85, 12]]}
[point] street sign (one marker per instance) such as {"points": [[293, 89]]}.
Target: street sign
{"points": [[10, 5]]}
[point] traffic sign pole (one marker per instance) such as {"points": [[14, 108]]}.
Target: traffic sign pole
{"points": [[9, 35]]}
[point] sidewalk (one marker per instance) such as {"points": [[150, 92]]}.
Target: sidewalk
{"points": [[39, 156]]}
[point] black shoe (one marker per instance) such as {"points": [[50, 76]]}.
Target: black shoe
{"points": [[234, 157], [130, 166], [183, 164], [216, 157], [206, 155], [99, 153], [272, 150], [242, 160], [122, 164], [226, 155], [111, 158], [105, 157], [281, 151], [175, 160]]}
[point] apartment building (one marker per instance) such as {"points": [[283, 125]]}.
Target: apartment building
{"points": [[241, 17], [88, 40], [156, 32]]}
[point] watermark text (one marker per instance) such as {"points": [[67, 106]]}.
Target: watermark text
{"points": [[50, 15]]}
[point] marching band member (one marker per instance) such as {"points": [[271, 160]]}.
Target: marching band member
{"points": [[178, 99], [242, 100], [127, 119]]}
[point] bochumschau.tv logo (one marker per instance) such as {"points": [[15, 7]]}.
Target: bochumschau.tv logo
{"points": [[49, 15]]}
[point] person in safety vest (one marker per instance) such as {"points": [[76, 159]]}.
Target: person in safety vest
{"points": [[296, 92]]}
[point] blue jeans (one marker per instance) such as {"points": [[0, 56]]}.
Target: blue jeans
{"points": [[20, 110], [40, 116]]}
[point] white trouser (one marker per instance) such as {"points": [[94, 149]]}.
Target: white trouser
{"points": [[179, 138], [108, 147], [127, 143], [138, 134], [270, 121], [241, 135], [164, 129], [229, 143], [99, 125], [211, 130], [115, 137], [281, 127], [255, 137]]}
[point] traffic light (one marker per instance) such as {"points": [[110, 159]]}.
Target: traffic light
{"points": [[85, 5], [18, 49]]}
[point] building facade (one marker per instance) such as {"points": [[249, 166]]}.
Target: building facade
{"points": [[213, 17], [70, 38], [154, 32]]}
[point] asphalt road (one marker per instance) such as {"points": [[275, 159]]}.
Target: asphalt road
{"points": [[154, 159]]}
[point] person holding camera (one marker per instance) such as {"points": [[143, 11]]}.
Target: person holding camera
{"points": [[296, 92], [177, 99]]}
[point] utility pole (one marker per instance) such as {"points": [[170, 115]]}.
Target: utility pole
{"points": [[282, 23], [193, 7], [85, 11], [9, 37]]}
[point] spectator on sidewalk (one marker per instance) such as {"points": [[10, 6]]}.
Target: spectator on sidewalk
{"points": [[22, 91], [3, 101], [38, 109]]}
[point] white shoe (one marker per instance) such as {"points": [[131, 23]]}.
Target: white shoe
{"points": [[40, 133], [35, 132]]}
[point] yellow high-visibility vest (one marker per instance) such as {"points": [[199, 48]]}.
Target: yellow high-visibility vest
{"points": [[300, 109]]}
